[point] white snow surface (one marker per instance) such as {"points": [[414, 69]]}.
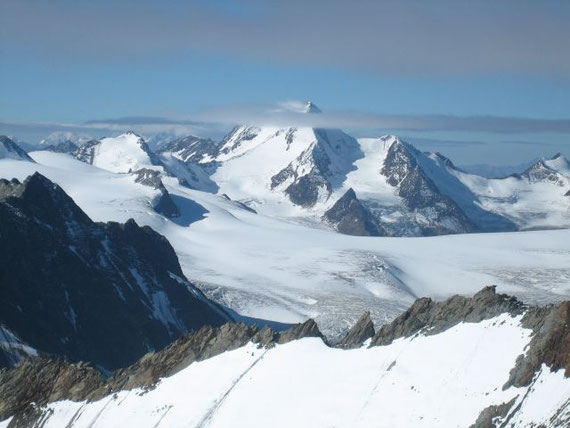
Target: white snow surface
{"points": [[444, 380], [269, 268], [58, 137], [122, 154], [251, 156]]}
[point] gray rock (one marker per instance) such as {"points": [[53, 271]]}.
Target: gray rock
{"points": [[540, 172], [100, 292], [86, 152], [307, 329], [40, 381], [189, 148], [485, 418], [350, 217], [359, 333], [63, 147], [550, 343], [164, 204], [15, 151], [421, 195], [429, 317], [305, 191]]}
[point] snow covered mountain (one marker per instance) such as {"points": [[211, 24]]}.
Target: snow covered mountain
{"points": [[273, 268], [301, 173], [296, 168], [126, 153], [10, 150], [483, 361], [62, 137], [100, 292]]}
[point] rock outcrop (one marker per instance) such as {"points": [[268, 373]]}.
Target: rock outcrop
{"points": [[429, 317], [350, 217], [439, 213], [38, 381], [359, 333], [163, 203], [550, 343], [106, 293], [9, 149]]}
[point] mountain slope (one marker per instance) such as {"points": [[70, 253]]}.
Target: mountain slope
{"points": [[531, 200], [100, 292], [300, 173], [10, 150], [268, 268], [451, 364]]}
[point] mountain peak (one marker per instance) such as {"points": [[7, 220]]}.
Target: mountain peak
{"points": [[9, 149], [310, 107], [131, 133]]}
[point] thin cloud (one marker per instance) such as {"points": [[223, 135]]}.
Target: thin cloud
{"points": [[271, 116], [410, 38]]}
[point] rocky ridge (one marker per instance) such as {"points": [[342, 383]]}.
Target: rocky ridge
{"points": [[49, 380], [349, 216], [9, 149], [68, 270]]}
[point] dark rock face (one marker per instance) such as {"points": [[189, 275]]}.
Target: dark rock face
{"points": [[350, 217], [308, 329], [550, 343], [440, 214], [540, 172], [86, 152], [164, 204], [429, 317], [63, 147], [189, 148], [41, 380], [327, 161], [106, 293], [236, 138], [485, 419], [305, 191], [12, 149], [359, 333]]}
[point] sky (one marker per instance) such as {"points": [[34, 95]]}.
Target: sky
{"points": [[482, 82]]}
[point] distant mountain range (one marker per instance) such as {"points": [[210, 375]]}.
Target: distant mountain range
{"points": [[304, 172]]}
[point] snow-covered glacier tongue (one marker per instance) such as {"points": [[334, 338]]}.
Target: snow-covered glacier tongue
{"points": [[482, 361]]}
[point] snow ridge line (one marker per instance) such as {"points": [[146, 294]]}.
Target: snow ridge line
{"points": [[205, 421]]}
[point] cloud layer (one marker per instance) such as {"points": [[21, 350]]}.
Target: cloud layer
{"points": [[410, 38]]}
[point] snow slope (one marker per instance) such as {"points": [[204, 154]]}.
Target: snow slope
{"points": [[127, 152], [10, 150], [262, 166], [299, 173], [269, 268], [442, 380]]}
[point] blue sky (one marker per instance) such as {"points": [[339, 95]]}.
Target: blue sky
{"points": [[67, 62]]}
